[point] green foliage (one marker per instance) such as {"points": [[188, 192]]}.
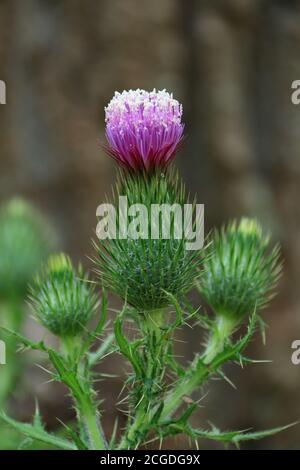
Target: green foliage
{"points": [[23, 246], [142, 270], [62, 297], [239, 271]]}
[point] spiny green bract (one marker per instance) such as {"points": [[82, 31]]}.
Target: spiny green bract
{"points": [[143, 271], [62, 298], [23, 246], [239, 271]]}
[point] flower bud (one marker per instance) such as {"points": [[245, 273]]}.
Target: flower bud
{"points": [[239, 272], [62, 298], [145, 270], [23, 246]]}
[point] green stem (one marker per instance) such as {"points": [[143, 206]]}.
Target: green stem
{"points": [[89, 419], [194, 377], [70, 347], [154, 366], [85, 406], [200, 368], [220, 333]]}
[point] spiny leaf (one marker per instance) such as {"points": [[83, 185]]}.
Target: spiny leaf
{"points": [[126, 348], [236, 436], [261, 434], [105, 347], [77, 440], [66, 375], [183, 419], [157, 413], [38, 433], [233, 437], [178, 311], [40, 346]]}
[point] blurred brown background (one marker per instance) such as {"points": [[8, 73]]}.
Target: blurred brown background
{"points": [[231, 63]]}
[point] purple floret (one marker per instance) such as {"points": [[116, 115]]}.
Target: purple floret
{"points": [[143, 128]]}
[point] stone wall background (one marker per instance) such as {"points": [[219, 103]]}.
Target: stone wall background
{"points": [[231, 63]]}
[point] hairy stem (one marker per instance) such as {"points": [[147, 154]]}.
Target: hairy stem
{"points": [[145, 400], [200, 368], [89, 419], [87, 414], [194, 377], [220, 332]]}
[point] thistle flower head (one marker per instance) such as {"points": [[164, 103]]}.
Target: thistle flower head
{"points": [[62, 299], [143, 128], [23, 245], [240, 271]]}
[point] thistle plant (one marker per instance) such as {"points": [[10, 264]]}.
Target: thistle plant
{"points": [[235, 274]]}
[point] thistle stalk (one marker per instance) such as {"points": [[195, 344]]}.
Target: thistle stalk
{"points": [[221, 331], [148, 395], [195, 376], [86, 408], [89, 418]]}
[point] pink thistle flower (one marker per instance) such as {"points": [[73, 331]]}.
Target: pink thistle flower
{"points": [[143, 128]]}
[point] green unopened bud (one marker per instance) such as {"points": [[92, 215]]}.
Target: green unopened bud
{"points": [[23, 246], [62, 297], [240, 272], [145, 269]]}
